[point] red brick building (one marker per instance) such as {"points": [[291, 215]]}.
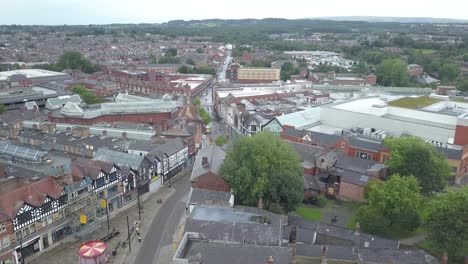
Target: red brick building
{"points": [[205, 172]]}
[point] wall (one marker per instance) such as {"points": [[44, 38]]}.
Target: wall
{"points": [[351, 191], [155, 118], [211, 182]]}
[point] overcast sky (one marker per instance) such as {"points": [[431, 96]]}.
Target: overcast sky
{"points": [[156, 11]]}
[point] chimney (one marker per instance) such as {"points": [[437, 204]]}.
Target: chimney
{"points": [[323, 255], [270, 260], [466, 260], [204, 162], [260, 202], [444, 259]]}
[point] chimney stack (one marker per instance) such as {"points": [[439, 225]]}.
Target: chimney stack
{"points": [[323, 255], [204, 162], [444, 259], [270, 260], [260, 202]]}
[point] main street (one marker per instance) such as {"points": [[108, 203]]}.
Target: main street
{"points": [[164, 224]]}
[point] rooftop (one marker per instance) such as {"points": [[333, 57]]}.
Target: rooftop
{"points": [[30, 73]]}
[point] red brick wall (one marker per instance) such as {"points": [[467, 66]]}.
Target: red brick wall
{"points": [[351, 191], [461, 135], [6, 256], [211, 182]]}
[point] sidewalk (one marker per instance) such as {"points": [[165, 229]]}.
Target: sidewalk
{"points": [[67, 250]]}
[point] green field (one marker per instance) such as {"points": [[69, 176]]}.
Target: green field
{"points": [[414, 103], [426, 51], [309, 213]]}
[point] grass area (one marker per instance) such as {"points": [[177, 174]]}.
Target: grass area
{"points": [[426, 51], [351, 223], [309, 213], [414, 103]]}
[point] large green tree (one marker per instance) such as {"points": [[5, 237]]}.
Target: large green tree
{"points": [[447, 222], [449, 72], [463, 85], [75, 61], [88, 97], [392, 204], [413, 156], [264, 167], [392, 72], [287, 70]]}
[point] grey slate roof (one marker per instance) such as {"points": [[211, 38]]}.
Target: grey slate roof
{"points": [[306, 152], [170, 147], [215, 157], [313, 182], [250, 233], [367, 255], [217, 253], [119, 158], [340, 234], [452, 152], [204, 196]]}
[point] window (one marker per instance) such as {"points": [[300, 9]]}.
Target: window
{"points": [[343, 145], [49, 220], [363, 155], [32, 229], [6, 241], [2, 228]]}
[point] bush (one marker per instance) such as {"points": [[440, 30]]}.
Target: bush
{"points": [[221, 140], [321, 201]]}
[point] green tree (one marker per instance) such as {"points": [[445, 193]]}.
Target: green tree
{"points": [[196, 102], [2, 109], [190, 61], [392, 72], [287, 70], [199, 50], [449, 72], [204, 115], [75, 61], [463, 85], [447, 222], [221, 140], [172, 52], [264, 167], [87, 96], [413, 156], [392, 204], [465, 57]]}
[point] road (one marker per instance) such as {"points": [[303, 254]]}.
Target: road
{"points": [[164, 224], [222, 73]]}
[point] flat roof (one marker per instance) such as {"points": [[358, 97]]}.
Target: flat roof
{"points": [[30, 73], [214, 213], [250, 91], [363, 106]]}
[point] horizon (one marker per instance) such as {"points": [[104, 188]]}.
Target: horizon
{"points": [[325, 18], [86, 12]]}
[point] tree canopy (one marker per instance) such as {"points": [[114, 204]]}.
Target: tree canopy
{"points": [[204, 115], [75, 61], [287, 70], [413, 156], [2, 109], [392, 204], [463, 85], [447, 222], [264, 167], [392, 72], [87, 96]]}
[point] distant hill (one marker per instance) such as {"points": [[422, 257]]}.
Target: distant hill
{"points": [[394, 19]]}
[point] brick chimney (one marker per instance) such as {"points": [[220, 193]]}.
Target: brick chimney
{"points": [[461, 130], [204, 162], [260, 202], [270, 260], [444, 259], [323, 255]]}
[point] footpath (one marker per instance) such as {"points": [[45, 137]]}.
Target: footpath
{"points": [[67, 250]]}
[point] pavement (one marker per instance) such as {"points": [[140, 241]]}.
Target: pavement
{"points": [[157, 226]]}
